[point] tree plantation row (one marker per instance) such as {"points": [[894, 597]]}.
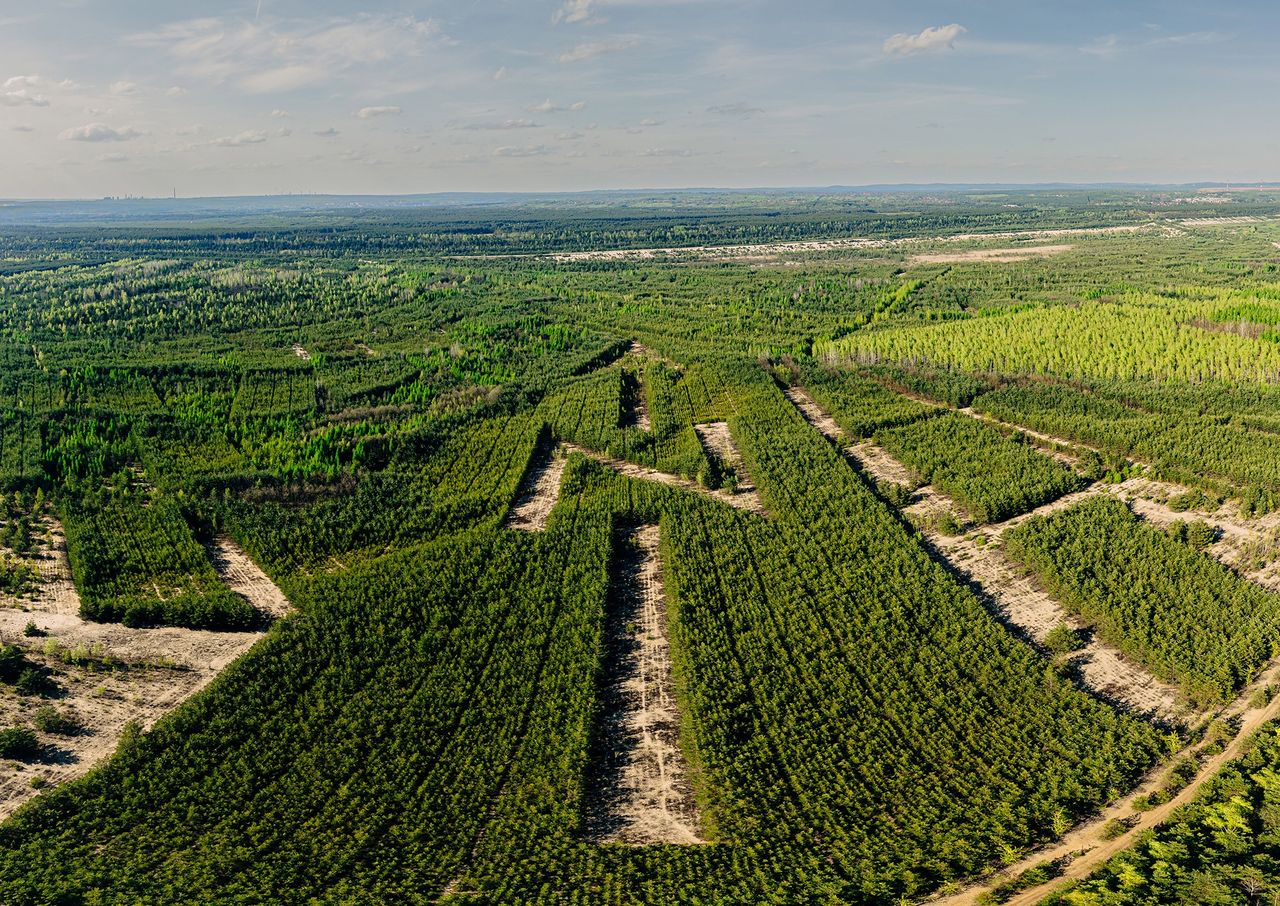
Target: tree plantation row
{"points": [[360, 407]]}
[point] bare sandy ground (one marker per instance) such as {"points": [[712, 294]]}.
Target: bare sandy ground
{"points": [[645, 797], [1222, 221], [301, 353], [718, 439], [765, 250], [998, 256], [741, 499], [539, 491], [107, 675], [1011, 597]]}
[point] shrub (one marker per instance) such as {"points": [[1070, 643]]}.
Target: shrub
{"points": [[18, 743], [1062, 639], [49, 719]]}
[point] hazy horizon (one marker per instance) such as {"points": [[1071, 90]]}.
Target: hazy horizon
{"points": [[278, 97]]}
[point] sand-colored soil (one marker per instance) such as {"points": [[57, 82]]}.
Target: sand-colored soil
{"points": [[1010, 597], [301, 353], [108, 675], [998, 256], [741, 499], [643, 795], [1019, 602], [768, 250], [1222, 221], [539, 491], [718, 439]]}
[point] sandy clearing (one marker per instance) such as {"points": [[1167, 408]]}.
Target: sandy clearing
{"points": [[301, 353], [155, 670], [1222, 221], [244, 577], [741, 499], [765, 250], [718, 439], [1018, 601], [643, 796], [814, 414], [539, 491], [1010, 597], [997, 256]]}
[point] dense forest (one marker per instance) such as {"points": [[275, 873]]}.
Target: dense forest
{"points": [[362, 405]]}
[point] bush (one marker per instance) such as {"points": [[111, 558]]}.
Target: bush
{"points": [[948, 525], [12, 663], [49, 719], [1114, 828], [18, 743], [1062, 639], [894, 494]]}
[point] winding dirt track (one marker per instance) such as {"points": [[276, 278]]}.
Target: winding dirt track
{"points": [[1084, 845], [1085, 841]]}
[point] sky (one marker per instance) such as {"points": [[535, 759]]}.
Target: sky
{"points": [[250, 97]]}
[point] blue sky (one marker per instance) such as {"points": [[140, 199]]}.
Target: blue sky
{"points": [[143, 96]]}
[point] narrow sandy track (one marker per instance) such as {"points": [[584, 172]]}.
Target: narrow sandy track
{"points": [[108, 676], [643, 796], [1085, 845], [1011, 597], [538, 493], [742, 499]]}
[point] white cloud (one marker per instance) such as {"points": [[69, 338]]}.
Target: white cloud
{"points": [[280, 114], [1106, 46], [19, 91], [939, 37], [368, 113], [328, 133], [504, 124], [578, 105], [522, 151], [736, 109], [545, 107], [576, 11], [500, 74], [122, 88], [113, 157], [176, 91], [283, 78], [263, 58], [248, 137], [594, 49], [99, 132]]}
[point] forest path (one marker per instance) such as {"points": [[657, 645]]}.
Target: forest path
{"points": [[1085, 845], [538, 493], [1012, 598]]}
